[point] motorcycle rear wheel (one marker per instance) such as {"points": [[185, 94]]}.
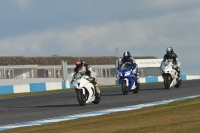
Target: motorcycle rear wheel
{"points": [[178, 84], [97, 99], [137, 88]]}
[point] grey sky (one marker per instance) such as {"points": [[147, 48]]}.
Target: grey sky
{"points": [[97, 27]]}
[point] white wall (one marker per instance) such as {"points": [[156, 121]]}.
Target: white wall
{"points": [[143, 63], [53, 85], [21, 88]]}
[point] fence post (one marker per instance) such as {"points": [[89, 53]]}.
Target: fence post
{"points": [[64, 70]]}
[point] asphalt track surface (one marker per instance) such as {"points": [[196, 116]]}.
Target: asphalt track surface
{"points": [[30, 108]]}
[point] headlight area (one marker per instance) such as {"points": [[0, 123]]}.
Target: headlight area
{"points": [[127, 73]]}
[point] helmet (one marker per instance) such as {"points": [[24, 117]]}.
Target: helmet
{"points": [[79, 63], [126, 54], [169, 50]]}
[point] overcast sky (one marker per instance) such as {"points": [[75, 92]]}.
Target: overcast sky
{"points": [[97, 27]]}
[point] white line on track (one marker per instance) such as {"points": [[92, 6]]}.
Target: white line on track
{"points": [[94, 113]]}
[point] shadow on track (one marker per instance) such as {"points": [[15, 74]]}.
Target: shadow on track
{"points": [[153, 89], [46, 106], [64, 105], [111, 94]]}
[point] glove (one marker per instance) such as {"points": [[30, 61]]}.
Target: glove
{"points": [[91, 77], [134, 71], [117, 72], [94, 80], [133, 65]]}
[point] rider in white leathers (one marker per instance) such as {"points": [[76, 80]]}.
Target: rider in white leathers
{"points": [[84, 68], [171, 55]]}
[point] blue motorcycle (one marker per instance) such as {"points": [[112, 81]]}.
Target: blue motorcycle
{"points": [[128, 79]]}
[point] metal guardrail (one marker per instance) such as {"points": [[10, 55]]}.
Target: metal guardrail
{"points": [[40, 85]]}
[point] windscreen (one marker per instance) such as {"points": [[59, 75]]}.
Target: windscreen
{"points": [[77, 76]]}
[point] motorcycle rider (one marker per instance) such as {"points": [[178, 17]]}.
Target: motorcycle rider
{"points": [[171, 55], [84, 68], [128, 58]]}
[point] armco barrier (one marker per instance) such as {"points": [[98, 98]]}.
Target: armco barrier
{"points": [[160, 79], [45, 86], [33, 87]]}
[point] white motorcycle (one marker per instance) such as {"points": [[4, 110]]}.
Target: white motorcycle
{"points": [[170, 75], [85, 90]]}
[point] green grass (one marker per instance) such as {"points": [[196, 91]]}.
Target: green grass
{"points": [[176, 117]]}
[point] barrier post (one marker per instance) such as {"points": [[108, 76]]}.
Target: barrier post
{"points": [[117, 61], [64, 70]]}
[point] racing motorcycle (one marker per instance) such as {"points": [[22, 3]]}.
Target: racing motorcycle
{"points": [[170, 75], [128, 79], [85, 89]]}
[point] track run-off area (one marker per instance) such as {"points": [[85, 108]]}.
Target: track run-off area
{"points": [[16, 111]]}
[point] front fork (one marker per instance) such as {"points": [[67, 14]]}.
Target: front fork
{"points": [[130, 83], [83, 90], [127, 81]]}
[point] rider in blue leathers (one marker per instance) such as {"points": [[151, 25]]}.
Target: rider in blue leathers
{"points": [[128, 58]]}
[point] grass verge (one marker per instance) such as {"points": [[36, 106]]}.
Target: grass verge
{"points": [[176, 117]]}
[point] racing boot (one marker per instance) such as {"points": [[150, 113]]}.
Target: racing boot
{"points": [[97, 90], [137, 78], [138, 82], [179, 73]]}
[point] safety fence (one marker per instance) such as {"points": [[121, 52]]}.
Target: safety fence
{"points": [[46, 86]]}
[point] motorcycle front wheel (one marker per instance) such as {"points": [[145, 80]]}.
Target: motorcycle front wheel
{"points": [[124, 88], [81, 98], [167, 81]]}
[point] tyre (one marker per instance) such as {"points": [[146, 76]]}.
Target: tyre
{"points": [[178, 84], [137, 88], [167, 81], [97, 99], [124, 87], [81, 98]]}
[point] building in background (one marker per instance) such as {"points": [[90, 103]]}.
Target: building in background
{"points": [[147, 67]]}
